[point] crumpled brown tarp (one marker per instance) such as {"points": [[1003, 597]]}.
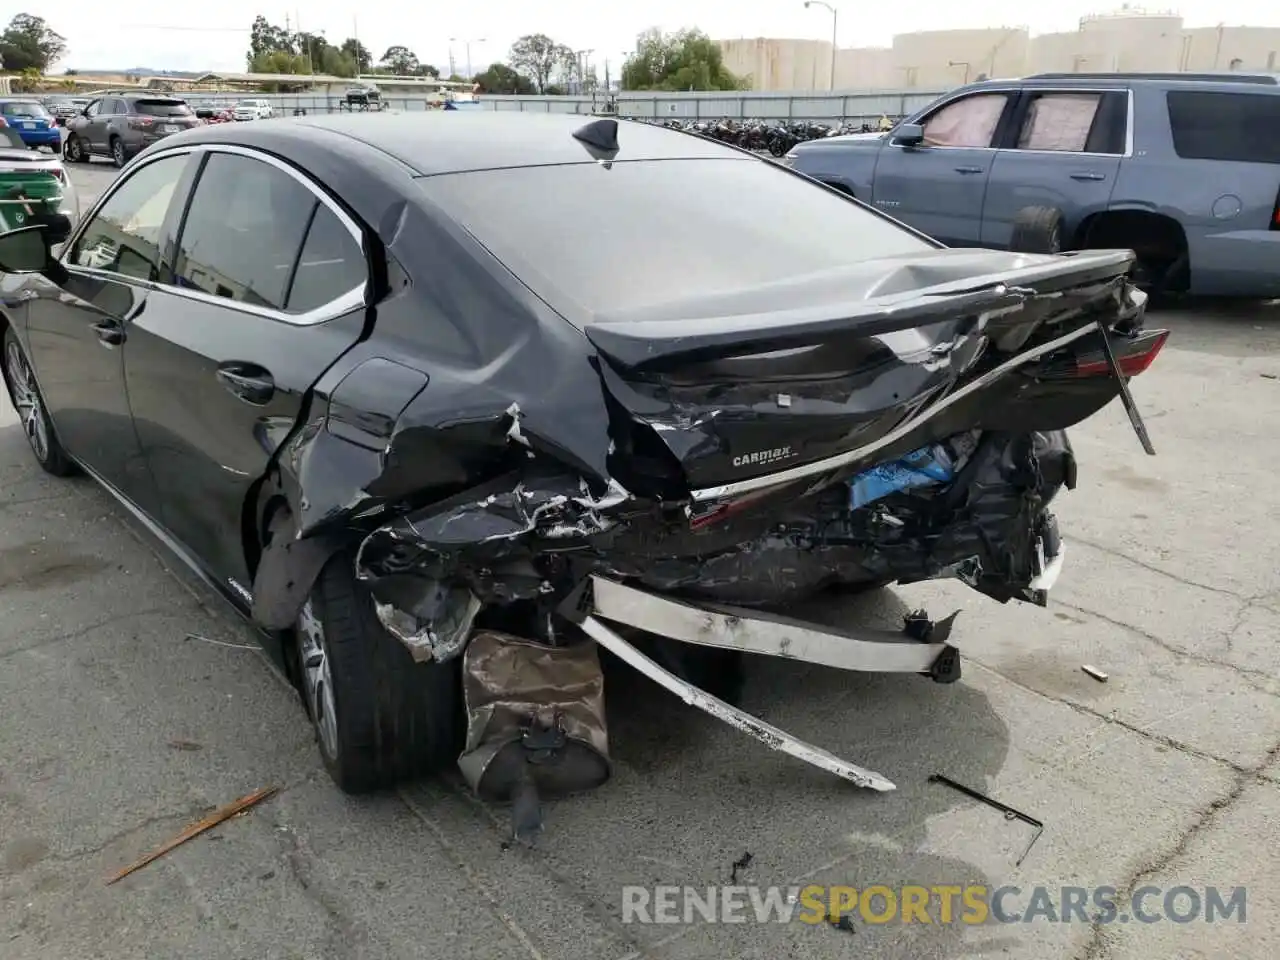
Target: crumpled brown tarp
{"points": [[535, 713]]}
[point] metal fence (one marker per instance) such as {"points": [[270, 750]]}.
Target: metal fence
{"points": [[854, 106]]}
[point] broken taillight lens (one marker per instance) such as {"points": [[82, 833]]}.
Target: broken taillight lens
{"points": [[1132, 356]]}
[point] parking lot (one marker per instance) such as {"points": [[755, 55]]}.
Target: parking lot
{"points": [[133, 703]]}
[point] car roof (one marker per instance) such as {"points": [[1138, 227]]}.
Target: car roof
{"points": [[431, 142]]}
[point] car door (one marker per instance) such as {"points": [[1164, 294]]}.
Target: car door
{"points": [[78, 330], [267, 290], [1062, 151], [939, 186], [84, 129]]}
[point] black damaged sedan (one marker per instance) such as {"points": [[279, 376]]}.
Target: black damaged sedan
{"points": [[390, 384]]}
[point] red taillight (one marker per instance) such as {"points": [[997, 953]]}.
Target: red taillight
{"points": [[1132, 358], [1275, 215], [141, 123]]}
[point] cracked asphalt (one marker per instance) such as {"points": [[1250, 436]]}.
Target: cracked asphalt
{"points": [[116, 730]]}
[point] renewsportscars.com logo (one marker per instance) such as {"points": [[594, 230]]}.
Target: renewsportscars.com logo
{"points": [[970, 904]]}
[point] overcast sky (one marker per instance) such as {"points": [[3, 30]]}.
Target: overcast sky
{"points": [[195, 36]]}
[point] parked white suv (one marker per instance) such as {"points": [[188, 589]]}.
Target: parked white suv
{"points": [[252, 110]]}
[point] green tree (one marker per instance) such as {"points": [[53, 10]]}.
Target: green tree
{"points": [[356, 51], [401, 60], [28, 43], [684, 60], [266, 39], [540, 58], [500, 78]]}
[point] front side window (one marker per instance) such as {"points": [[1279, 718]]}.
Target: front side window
{"points": [[969, 122], [94, 108], [1059, 121], [124, 235], [244, 231]]}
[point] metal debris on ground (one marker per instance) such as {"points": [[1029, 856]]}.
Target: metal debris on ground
{"points": [[844, 922], [1094, 672], [741, 863], [1009, 812], [186, 745], [221, 815]]}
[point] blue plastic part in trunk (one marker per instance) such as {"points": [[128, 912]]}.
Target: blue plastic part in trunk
{"points": [[925, 467]]}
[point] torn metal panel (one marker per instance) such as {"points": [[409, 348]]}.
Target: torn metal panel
{"points": [[872, 651], [767, 734], [438, 626]]}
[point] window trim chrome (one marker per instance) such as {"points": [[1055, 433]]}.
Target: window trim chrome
{"points": [[344, 303]]}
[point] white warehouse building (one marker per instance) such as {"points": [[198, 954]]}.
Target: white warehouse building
{"points": [[1128, 41]]}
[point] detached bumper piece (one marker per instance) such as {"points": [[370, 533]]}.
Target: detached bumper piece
{"points": [[923, 646]]}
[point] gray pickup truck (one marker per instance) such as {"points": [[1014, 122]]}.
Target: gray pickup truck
{"points": [[1182, 168]]}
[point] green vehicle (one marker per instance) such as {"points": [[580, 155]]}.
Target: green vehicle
{"points": [[34, 189]]}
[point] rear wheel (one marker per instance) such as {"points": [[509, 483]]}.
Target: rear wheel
{"points": [[118, 155], [1037, 230], [32, 414], [380, 718]]}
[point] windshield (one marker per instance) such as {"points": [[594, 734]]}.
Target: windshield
{"points": [[23, 108], [162, 108], [645, 232]]}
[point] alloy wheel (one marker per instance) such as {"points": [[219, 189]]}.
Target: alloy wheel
{"points": [[26, 399], [317, 681], [117, 152]]}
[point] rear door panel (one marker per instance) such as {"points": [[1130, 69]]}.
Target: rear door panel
{"points": [[1076, 176], [220, 364]]}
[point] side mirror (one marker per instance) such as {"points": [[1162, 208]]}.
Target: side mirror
{"points": [[25, 250], [909, 135]]}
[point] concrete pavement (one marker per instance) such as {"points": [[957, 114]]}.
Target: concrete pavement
{"points": [[116, 731]]}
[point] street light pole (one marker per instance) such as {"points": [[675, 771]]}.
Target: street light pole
{"points": [[835, 20], [466, 42]]}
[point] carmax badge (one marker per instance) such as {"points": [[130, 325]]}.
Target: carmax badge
{"points": [[762, 457]]}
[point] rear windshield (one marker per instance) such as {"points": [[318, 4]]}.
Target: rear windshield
{"points": [[23, 108], [646, 232], [162, 108], [1225, 126]]}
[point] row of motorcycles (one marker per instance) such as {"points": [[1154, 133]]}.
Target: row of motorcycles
{"points": [[775, 136]]}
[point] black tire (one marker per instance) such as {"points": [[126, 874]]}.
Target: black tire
{"points": [[1037, 230], [75, 151], [33, 415], [119, 156], [394, 719]]}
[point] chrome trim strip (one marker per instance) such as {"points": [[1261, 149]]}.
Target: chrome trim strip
{"points": [[839, 460], [344, 303]]}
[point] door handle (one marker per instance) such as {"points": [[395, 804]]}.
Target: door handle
{"points": [[969, 169], [1088, 175], [249, 382], [109, 332]]}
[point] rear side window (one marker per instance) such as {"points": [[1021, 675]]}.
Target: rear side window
{"points": [[161, 108], [331, 264], [243, 231], [647, 232], [1225, 126], [255, 235]]}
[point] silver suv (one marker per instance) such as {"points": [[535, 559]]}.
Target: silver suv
{"points": [[121, 125]]}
